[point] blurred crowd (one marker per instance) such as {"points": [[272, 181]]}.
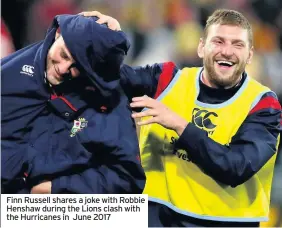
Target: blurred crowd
{"points": [[162, 30]]}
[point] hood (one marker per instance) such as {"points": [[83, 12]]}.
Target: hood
{"points": [[98, 51]]}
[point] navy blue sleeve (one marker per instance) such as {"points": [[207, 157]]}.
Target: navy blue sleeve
{"points": [[120, 173], [149, 80], [252, 146]]}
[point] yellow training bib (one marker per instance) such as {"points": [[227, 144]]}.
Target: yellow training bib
{"points": [[173, 180]]}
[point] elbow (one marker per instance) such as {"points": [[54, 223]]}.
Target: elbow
{"points": [[236, 171], [237, 180], [234, 178]]}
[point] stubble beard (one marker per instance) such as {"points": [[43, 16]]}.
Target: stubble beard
{"points": [[223, 82]]}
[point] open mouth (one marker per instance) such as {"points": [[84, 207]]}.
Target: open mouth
{"points": [[225, 64]]}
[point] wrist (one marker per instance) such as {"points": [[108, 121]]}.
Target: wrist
{"points": [[180, 126]]}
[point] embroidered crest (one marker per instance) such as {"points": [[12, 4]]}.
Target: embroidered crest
{"points": [[78, 125]]}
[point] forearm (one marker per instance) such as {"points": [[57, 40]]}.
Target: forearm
{"points": [[149, 80], [231, 165]]}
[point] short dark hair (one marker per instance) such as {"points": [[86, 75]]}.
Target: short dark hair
{"points": [[229, 17]]}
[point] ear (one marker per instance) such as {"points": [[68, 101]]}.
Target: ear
{"points": [[201, 48], [251, 53]]}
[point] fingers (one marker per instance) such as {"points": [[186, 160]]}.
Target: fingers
{"points": [[91, 14], [114, 25], [42, 188], [148, 112], [146, 122], [102, 20], [145, 97], [140, 104], [145, 101]]}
